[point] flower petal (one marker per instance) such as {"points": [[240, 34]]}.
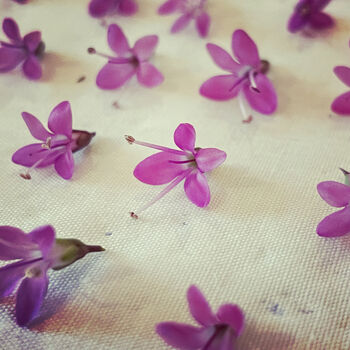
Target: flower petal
{"points": [[117, 40], [168, 7], [149, 75], [336, 224], [10, 28], [185, 137], [208, 159], [10, 58], [10, 275], [100, 8], [35, 127], [64, 165], [183, 336], [127, 7], [343, 73], [320, 20], [145, 46], [29, 155], [44, 237], [334, 193], [60, 119], [220, 87], [222, 58], [265, 99], [245, 49], [160, 168], [228, 340], [181, 23], [113, 76], [32, 40], [199, 307], [203, 24], [233, 316], [32, 68], [341, 105], [30, 295], [297, 22], [197, 189]]}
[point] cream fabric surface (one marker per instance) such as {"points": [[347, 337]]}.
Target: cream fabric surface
{"points": [[255, 245]]}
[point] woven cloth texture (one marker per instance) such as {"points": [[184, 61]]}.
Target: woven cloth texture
{"points": [[254, 245]]}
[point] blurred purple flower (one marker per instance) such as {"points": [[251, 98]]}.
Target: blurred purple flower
{"points": [[21, 2], [28, 50], [341, 105], [56, 147], [309, 13], [128, 62], [247, 76], [101, 8], [190, 10], [170, 165], [38, 251], [215, 332]]}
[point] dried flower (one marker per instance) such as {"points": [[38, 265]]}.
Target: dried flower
{"points": [[216, 331], [38, 252], [101, 8], [28, 50], [247, 76], [56, 147], [341, 105]]}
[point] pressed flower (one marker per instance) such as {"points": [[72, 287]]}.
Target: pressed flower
{"points": [[190, 10], [341, 105], [128, 62], [56, 147], [172, 166], [27, 50], [37, 252], [215, 332], [246, 79], [101, 8], [309, 13], [337, 195]]}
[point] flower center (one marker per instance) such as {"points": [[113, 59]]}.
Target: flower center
{"points": [[33, 272], [39, 52], [305, 10], [192, 6]]}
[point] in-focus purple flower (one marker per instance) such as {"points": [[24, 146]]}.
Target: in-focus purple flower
{"points": [[128, 62], [190, 10], [337, 195], [101, 8], [172, 166], [309, 13], [56, 147], [28, 50], [341, 105], [37, 252], [215, 332], [247, 76]]}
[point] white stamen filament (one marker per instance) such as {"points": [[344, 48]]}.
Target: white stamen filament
{"points": [[246, 118], [252, 80]]}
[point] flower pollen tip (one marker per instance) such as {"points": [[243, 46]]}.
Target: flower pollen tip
{"points": [[129, 139], [133, 215], [248, 120], [25, 176], [91, 50], [345, 172]]}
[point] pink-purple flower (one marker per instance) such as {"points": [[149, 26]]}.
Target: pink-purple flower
{"points": [[21, 2], [341, 105], [189, 10], [101, 8], [37, 252], [309, 13], [128, 61], [215, 332], [27, 50], [246, 76], [172, 166], [56, 146]]}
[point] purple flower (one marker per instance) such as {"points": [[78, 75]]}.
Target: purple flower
{"points": [[215, 332], [172, 166], [190, 10], [101, 8], [37, 251], [247, 76], [309, 12], [27, 50], [341, 105], [21, 2], [128, 62], [56, 147]]}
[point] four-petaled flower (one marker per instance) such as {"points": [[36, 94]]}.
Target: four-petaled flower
{"points": [[247, 76], [173, 166], [190, 10], [38, 252], [101, 8], [341, 105], [216, 331], [129, 61], [56, 147], [28, 50], [309, 13]]}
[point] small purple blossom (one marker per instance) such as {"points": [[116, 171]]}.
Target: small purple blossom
{"points": [[190, 10], [128, 62], [309, 13], [101, 8], [247, 76], [37, 252], [341, 105], [173, 166], [28, 50], [56, 147], [215, 332], [21, 2]]}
